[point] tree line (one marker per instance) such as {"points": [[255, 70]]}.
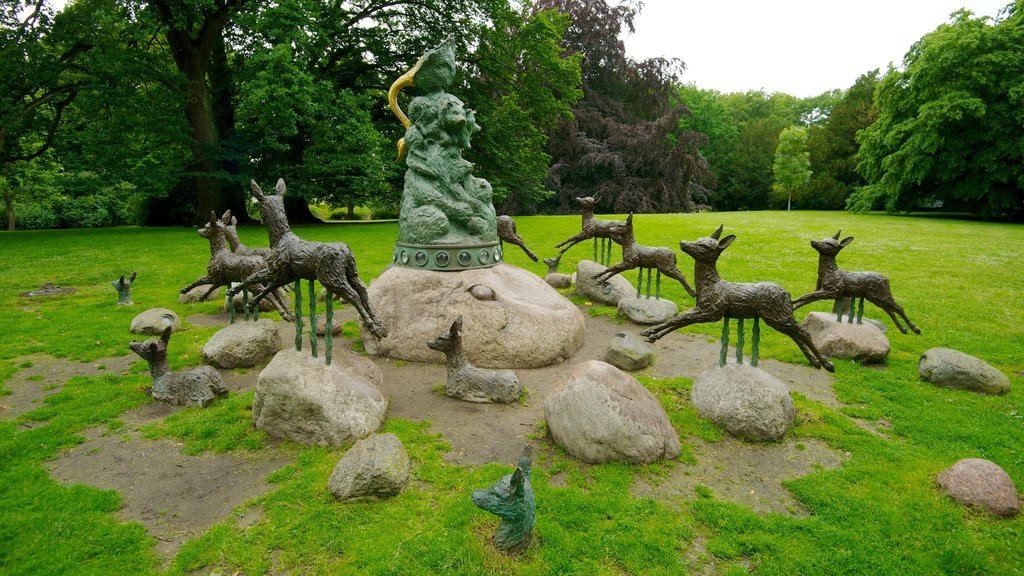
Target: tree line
{"points": [[159, 111]]}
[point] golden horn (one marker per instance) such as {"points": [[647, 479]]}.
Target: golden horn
{"points": [[403, 81]]}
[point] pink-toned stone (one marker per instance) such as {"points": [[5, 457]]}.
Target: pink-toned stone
{"points": [[980, 484]]}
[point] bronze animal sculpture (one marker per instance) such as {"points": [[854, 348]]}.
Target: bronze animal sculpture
{"points": [[591, 228], [511, 499], [231, 234], [507, 233], [467, 382], [124, 289], [293, 259], [717, 299], [553, 278], [637, 256], [837, 284], [226, 267], [198, 386]]}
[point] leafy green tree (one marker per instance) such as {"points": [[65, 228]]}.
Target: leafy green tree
{"points": [[950, 123], [792, 166]]}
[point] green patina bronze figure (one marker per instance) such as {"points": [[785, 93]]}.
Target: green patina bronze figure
{"points": [[511, 499], [447, 220]]}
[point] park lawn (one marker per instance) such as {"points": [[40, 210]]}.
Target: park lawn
{"points": [[877, 514]]}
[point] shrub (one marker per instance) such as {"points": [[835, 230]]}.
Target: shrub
{"points": [[34, 217]]}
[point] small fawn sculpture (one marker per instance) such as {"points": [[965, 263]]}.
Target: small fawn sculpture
{"points": [[198, 386], [226, 267], [636, 256], [553, 278], [592, 228], [124, 289], [231, 234], [837, 284], [293, 259], [467, 382], [717, 299], [511, 499], [507, 233]]}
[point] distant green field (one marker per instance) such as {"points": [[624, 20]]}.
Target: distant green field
{"points": [[960, 281]]}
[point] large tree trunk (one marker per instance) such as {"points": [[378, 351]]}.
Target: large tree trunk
{"points": [[9, 201]]}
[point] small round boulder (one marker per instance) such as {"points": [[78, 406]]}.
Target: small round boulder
{"points": [[154, 321], [980, 484]]}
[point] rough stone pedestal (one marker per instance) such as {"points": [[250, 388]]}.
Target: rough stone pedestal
{"points": [[375, 467], [599, 413], [747, 401], [243, 344], [300, 398], [511, 317], [861, 342], [647, 311], [608, 292]]}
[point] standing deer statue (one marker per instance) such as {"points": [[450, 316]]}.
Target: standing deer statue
{"points": [[226, 267], [507, 233], [198, 386], [293, 259], [636, 256], [836, 284], [717, 299], [467, 382], [592, 228]]}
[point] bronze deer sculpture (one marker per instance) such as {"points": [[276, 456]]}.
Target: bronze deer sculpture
{"points": [[226, 267], [592, 228], [507, 233], [231, 233], [637, 256], [717, 299], [293, 259], [836, 284]]}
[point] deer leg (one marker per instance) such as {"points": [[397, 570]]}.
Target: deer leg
{"points": [[210, 290], [609, 272], [351, 296], [803, 340], [258, 277], [199, 282], [811, 297], [376, 328], [674, 273], [892, 309], [277, 300], [694, 316], [574, 240]]}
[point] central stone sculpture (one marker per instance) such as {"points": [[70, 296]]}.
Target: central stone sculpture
{"points": [[448, 261], [447, 221]]}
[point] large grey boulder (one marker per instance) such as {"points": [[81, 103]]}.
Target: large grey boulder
{"points": [[375, 467], [608, 292], [154, 320], [628, 353], [861, 342], [300, 398], [647, 311], [243, 344], [954, 369], [599, 413], [511, 317], [981, 484], [196, 294], [747, 401]]}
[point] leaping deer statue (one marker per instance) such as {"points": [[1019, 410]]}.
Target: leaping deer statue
{"points": [[592, 228], [637, 256], [836, 284], [293, 259], [717, 299]]}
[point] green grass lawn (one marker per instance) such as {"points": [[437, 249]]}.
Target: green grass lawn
{"points": [[877, 514]]}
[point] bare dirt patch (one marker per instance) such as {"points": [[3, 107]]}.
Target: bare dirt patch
{"points": [[47, 375]]}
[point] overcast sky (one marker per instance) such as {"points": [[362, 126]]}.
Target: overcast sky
{"points": [[800, 47]]}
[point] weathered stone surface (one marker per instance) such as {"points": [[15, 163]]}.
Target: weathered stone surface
{"points": [[196, 295], [375, 467], [527, 325], [242, 344], [981, 484], [747, 401], [154, 320], [860, 342], [609, 292], [599, 413], [647, 310], [954, 369], [300, 398], [558, 281], [628, 353]]}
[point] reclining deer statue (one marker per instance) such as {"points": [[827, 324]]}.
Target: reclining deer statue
{"points": [[836, 284], [293, 259], [636, 256], [198, 386], [468, 382], [592, 228], [717, 299], [226, 267]]}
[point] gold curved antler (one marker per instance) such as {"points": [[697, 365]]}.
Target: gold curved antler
{"points": [[403, 81]]}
